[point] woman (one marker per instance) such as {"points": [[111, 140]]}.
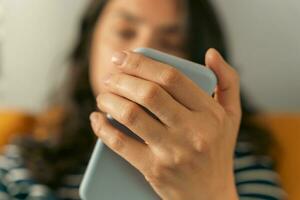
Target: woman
{"points": [[190, 156]]}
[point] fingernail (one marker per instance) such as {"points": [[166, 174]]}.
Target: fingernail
{"points": [[219, 54], [94, 118], [118, 58], [95, 123]]}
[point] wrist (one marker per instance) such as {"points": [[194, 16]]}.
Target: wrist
{"points": [[232, 195], [229, 191]]}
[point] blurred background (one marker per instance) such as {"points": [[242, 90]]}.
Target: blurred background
{"points": [[36, 37]]}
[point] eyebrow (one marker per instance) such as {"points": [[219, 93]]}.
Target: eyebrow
{"points": [[129, 17], [170, 28]]}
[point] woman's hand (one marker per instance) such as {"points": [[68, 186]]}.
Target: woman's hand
{"points": [[188, 152]]}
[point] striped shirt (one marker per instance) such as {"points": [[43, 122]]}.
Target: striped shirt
{"points": [[255, 178]]}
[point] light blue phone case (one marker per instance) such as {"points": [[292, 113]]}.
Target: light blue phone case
{"points": [[108, 176]]}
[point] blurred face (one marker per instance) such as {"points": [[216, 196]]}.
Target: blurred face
{"points": [[128, 24]]}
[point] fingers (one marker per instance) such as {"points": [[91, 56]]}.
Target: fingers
{"points": [[179, 86], [128, 148], [132, 116], [228, 90], [149, 95]]}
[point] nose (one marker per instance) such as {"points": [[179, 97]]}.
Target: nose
{"points": [[146, 39]]}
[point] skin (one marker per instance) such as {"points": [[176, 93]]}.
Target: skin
{"points": [[188, 149]]}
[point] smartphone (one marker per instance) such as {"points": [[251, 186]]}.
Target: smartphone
{"points": [[108, 176]]}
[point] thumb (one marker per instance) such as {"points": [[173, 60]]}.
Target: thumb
{"points": [[228, 89]]}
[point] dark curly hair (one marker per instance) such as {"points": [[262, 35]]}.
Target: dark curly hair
{"points": [[72, 144]]}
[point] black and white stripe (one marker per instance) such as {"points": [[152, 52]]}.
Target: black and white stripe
{"points": [[255, 178]]}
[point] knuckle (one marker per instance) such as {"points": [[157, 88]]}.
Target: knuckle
{"points": [[99, 100], [169, 76], [220, 116], [157, 173], [130, 114], [151, 92], [134, 61], [173, 159], [116, 80], [187, 159], [117, 142], [199, 144], [181, 159]]}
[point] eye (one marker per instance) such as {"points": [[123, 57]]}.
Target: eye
{"points": [[126, 34]]}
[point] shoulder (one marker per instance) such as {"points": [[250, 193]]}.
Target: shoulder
{"points": [[255, 175]]}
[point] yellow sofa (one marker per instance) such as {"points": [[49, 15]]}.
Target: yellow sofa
{"points": [[12, 123], [15, 123], [285, 128], [286, 131]]}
